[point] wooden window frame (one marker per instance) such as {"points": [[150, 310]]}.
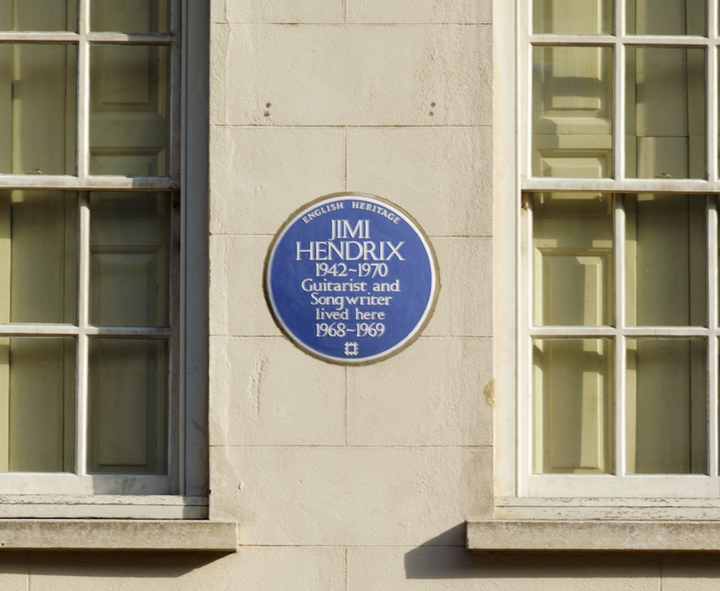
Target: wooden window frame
{"points": [[182, 493], [519, 494]]}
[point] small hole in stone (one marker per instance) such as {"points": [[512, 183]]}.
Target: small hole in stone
{"points": [[432, 104], [431, 113], [267, 113], [268, 105]]}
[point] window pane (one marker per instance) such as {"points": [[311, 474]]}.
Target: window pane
{"points": [[128, 406], [129, 258], [666, 260], [38, 15], [573, 398], [666, 17], [666, 406], [665, 111], [129, 16], [572, 16], [37, 109], [37, 404], [129, 130], [572, 245], [572, 112], [37, 256]]}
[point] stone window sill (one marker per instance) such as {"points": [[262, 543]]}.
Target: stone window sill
{"points": [[541, 535], [118, 534]]}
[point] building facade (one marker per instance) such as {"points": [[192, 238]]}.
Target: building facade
{"points": [[554, 425]]}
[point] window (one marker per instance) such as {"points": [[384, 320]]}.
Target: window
{"points": [[92, 290], [617, 319]]}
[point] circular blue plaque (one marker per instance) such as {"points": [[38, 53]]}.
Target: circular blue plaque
{"points": [[351, 279]]}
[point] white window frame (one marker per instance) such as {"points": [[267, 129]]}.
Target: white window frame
{"points": [[182, 493], [519, 494]]}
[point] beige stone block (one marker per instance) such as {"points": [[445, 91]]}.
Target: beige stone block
{"points": [[219, 39], [441, 175], [276, 569], [293, 11], [265, 391], [237, 301], [356, 75], [479, 482], [437, 568], [343, 495], [429, 394], [218, 9], [419, 11], [465, 305], [261, 175]]}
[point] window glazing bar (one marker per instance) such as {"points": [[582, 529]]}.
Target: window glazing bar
{"points": [[38, 37], [121, 183], [83, 92], [69, 37], [619, 308], [608, 40], [175, 104], [81, 400], [17, 329], [539, 184], [132, 38], [628, 331], [711, 89], [712, 385], [618, 107], [565, 39]]}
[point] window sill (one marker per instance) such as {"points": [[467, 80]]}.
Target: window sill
{"points": [[114, 534], [540, 535], [149, 507]]}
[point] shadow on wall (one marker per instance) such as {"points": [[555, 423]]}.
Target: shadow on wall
{"points": [[445, 557], [132, 565]]}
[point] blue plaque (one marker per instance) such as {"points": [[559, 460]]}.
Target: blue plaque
{"points": [[351, 279]]}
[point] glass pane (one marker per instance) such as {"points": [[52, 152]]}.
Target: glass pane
{"points": [[37, 109], [572, 112], [37, 256], [572, 16], [128, 406], [665, 111], [666, 406], [666, 17], [37, 404], [38, 15], [129, 258], [573, 400], [666, 260], [129, 16], [129, 110], [572, 252]]}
